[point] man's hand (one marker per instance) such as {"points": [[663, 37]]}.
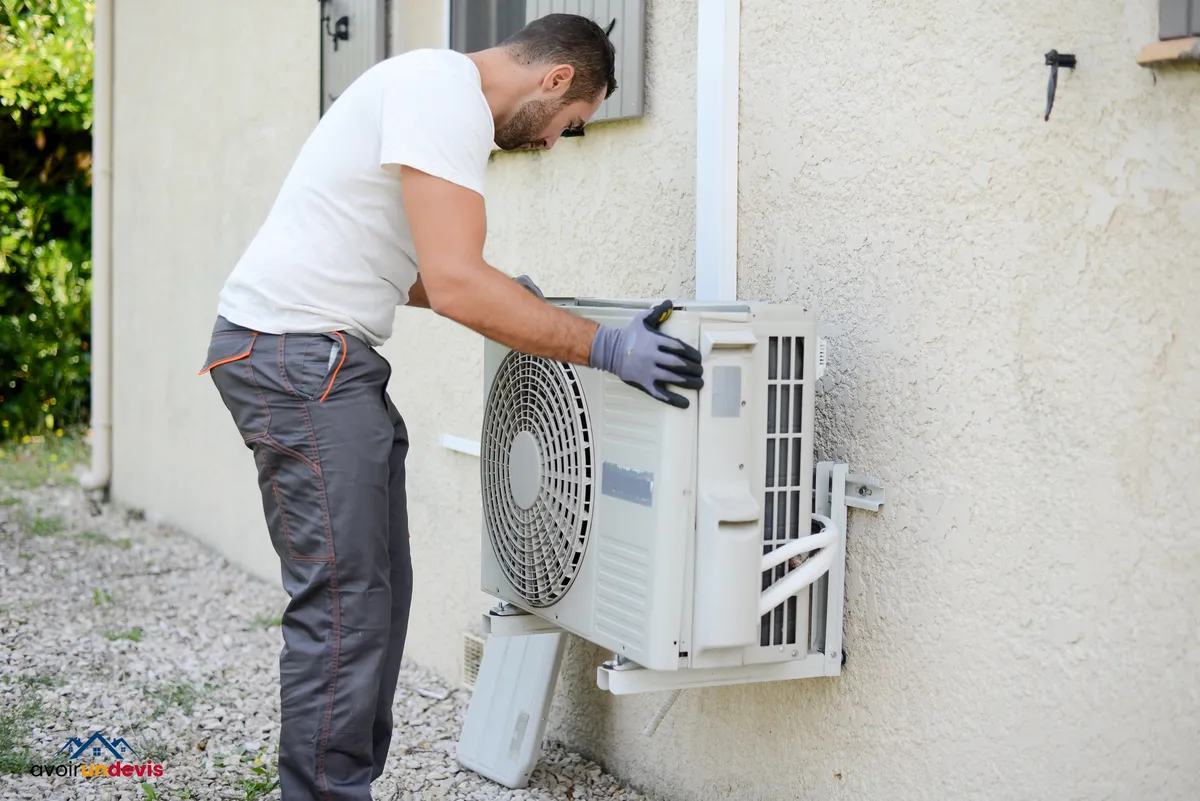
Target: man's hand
{"points": [[651, 361]]}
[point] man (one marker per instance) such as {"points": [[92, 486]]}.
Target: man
{"points": [[390, 180]]}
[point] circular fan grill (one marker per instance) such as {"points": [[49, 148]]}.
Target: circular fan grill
{"points": [[536, 464]]}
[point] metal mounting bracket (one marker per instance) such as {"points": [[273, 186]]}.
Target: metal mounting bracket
{"points": [[864, 492], [507, 620]]}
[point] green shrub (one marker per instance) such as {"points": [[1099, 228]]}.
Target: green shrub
{"points": [[45, 214]]}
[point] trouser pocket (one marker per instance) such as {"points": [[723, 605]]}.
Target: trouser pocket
{"points": [[226, 347], [309, 363], [230, 365], [294, 499]]}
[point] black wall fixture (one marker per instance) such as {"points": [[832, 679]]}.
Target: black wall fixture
{"points": [[341, 31], [1055, 60]]}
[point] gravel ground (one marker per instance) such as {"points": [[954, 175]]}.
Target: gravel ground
{"points": [[112, 623]]}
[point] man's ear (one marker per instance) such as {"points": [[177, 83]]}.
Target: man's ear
{"points": [[558, 80]]}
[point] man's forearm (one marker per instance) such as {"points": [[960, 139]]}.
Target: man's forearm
{"points": [[490, 303]]}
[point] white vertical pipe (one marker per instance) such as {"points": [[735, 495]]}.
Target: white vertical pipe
{"points": [[101, 307], [717, 149]]}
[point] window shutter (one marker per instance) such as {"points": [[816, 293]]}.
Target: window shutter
{"points": [[627, 18], [354, 37], [1177, 18], [479, 24]]}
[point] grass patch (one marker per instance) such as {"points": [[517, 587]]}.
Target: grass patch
{"points": [[263, 778], [102, 597], [177, 694], [15, 728], [39, 681], [266, 621], [264, 772], [33, 461], [155, 750], [45, 526], [100, 538], [134, 634], [31, 525]]}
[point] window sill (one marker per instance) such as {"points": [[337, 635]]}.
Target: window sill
{"points": [[1172, 51]]}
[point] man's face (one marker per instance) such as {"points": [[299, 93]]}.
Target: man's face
{"points": [[540, 121]]}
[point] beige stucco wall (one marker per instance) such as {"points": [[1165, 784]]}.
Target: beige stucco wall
{"points": [[1018, 358], [211, 102]]}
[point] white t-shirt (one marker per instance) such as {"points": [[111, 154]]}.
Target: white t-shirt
{"points": [[335, 252]]}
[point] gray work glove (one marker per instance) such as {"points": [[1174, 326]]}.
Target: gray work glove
{"points": [[527, 282], [644, 358]]}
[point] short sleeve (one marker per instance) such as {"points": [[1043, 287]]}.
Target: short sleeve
{"points": [[436, 121]]}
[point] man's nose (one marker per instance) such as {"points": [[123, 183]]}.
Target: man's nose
{"points": [[550, 140]]}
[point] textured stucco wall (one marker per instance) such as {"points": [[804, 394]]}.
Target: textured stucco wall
{"points": [[1019, 362], [212, 101], [1017, 357]]}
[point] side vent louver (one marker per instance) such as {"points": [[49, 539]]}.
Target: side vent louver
{"points": [[786, 489]]}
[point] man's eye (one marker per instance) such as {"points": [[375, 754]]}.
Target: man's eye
{"points": [[573, 132]]}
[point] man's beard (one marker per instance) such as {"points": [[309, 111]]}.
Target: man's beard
{"points": [[524, 129]]}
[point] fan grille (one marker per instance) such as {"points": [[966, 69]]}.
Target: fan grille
{"points": [[539, 546]]}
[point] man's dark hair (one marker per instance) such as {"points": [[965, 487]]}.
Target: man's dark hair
{"points": [[569, 39]]}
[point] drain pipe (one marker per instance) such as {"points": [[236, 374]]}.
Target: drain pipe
{"points": [[718, 37], [101, 340]]}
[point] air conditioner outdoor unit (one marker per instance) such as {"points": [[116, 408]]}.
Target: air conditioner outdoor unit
{"points": [[700, 546], [674, 538]]}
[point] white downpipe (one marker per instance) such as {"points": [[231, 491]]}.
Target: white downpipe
{"points": [[101, 345], [717, 45]]}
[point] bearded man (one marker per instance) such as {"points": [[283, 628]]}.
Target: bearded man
{"points": [[384, 206]]}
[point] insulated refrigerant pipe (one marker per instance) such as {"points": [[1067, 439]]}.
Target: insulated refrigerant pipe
{"points": [[813, 568]]}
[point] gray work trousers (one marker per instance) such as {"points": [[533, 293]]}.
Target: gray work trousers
{"points": [[330, 447]]}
